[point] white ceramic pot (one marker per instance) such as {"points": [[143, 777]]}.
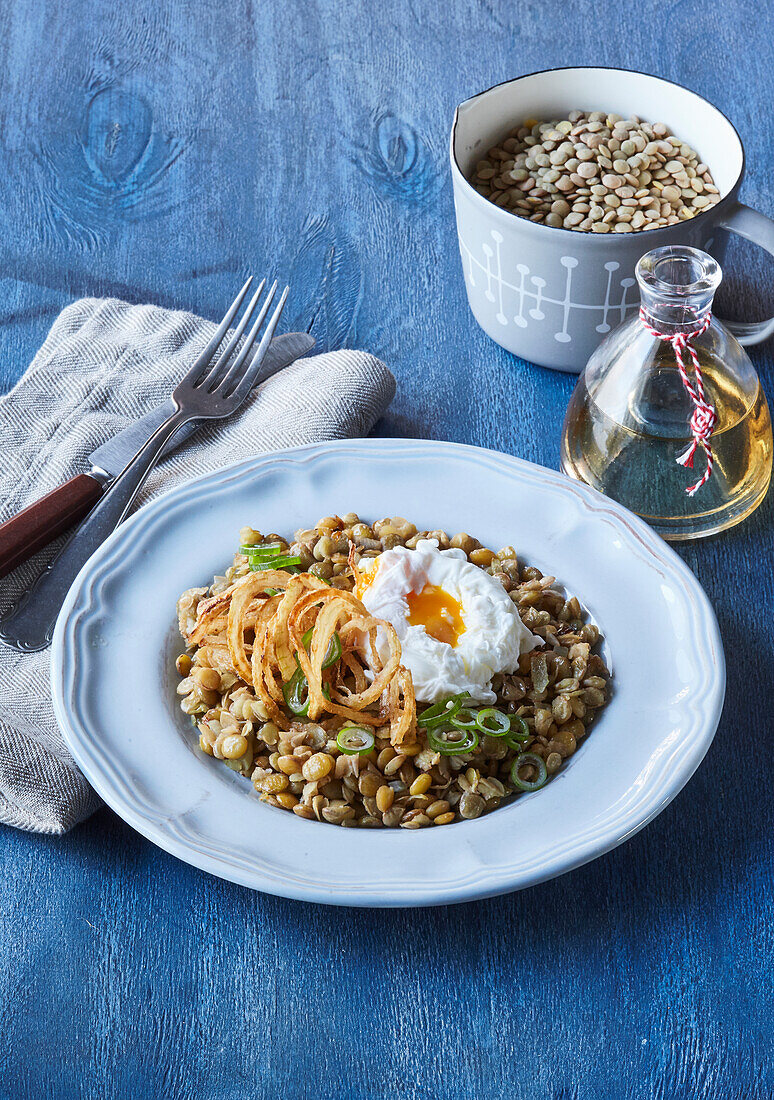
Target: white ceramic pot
{"points": [[550, 295]]}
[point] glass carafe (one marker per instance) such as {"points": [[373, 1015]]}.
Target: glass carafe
{"points": [[689, 465]]}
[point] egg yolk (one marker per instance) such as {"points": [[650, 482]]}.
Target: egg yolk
{"points": [[438, 613], [363, 583]]}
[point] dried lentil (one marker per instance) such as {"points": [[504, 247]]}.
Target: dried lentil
{"points": [[545, 170]]}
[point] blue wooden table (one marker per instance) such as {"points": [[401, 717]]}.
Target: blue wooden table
{"points": [[159, 150]]}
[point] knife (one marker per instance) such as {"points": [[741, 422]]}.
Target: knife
{"points": [[40, 523]]}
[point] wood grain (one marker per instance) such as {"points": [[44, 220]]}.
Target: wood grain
{"points": [[161, 149]]}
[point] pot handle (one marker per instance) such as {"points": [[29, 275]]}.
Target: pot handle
{"points": [[759, 229]]}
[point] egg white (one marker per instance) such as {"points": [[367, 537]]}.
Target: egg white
{"points": [[494, 637]]}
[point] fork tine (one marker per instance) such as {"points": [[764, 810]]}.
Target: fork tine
{"points": [[248, 381], [204, 358], [211, 376], [234, 375]]}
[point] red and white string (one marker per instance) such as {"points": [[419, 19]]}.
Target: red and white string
{"points": [[704, 416]]}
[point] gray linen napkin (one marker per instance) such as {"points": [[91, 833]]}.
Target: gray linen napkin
{"points": [[103, 364]]}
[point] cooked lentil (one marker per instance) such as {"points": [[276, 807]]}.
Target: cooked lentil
{"points": [[557, 690]]}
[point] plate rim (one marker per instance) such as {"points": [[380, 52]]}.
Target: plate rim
{"points": [[702, 734]]}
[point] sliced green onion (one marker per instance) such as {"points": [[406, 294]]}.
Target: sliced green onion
{"points": [[296, 693], [285, 562], [271, 550], [518, 734], [451, 741], [493, 722], [355, 740], [332, 653], [442, 711], [465, 719], [537, 762]]}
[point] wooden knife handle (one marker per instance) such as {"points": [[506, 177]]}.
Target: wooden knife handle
{"points": [[30, 530]]}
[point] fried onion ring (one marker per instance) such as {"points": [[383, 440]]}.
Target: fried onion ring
{"points": [[367, 685], [209, 614], [241, 595]]}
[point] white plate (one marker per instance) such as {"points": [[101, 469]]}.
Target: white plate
{"points": [[113, 677]]}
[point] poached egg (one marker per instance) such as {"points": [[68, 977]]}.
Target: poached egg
{"points": [[456, 624]]}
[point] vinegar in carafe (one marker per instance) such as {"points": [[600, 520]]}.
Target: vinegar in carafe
{"points": [[742, 460], [628, 420]]}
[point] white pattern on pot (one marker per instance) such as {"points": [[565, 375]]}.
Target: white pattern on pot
{"points": [[496, 286]]}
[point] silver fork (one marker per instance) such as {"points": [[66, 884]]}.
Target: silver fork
{"points": [[213, 388]]}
